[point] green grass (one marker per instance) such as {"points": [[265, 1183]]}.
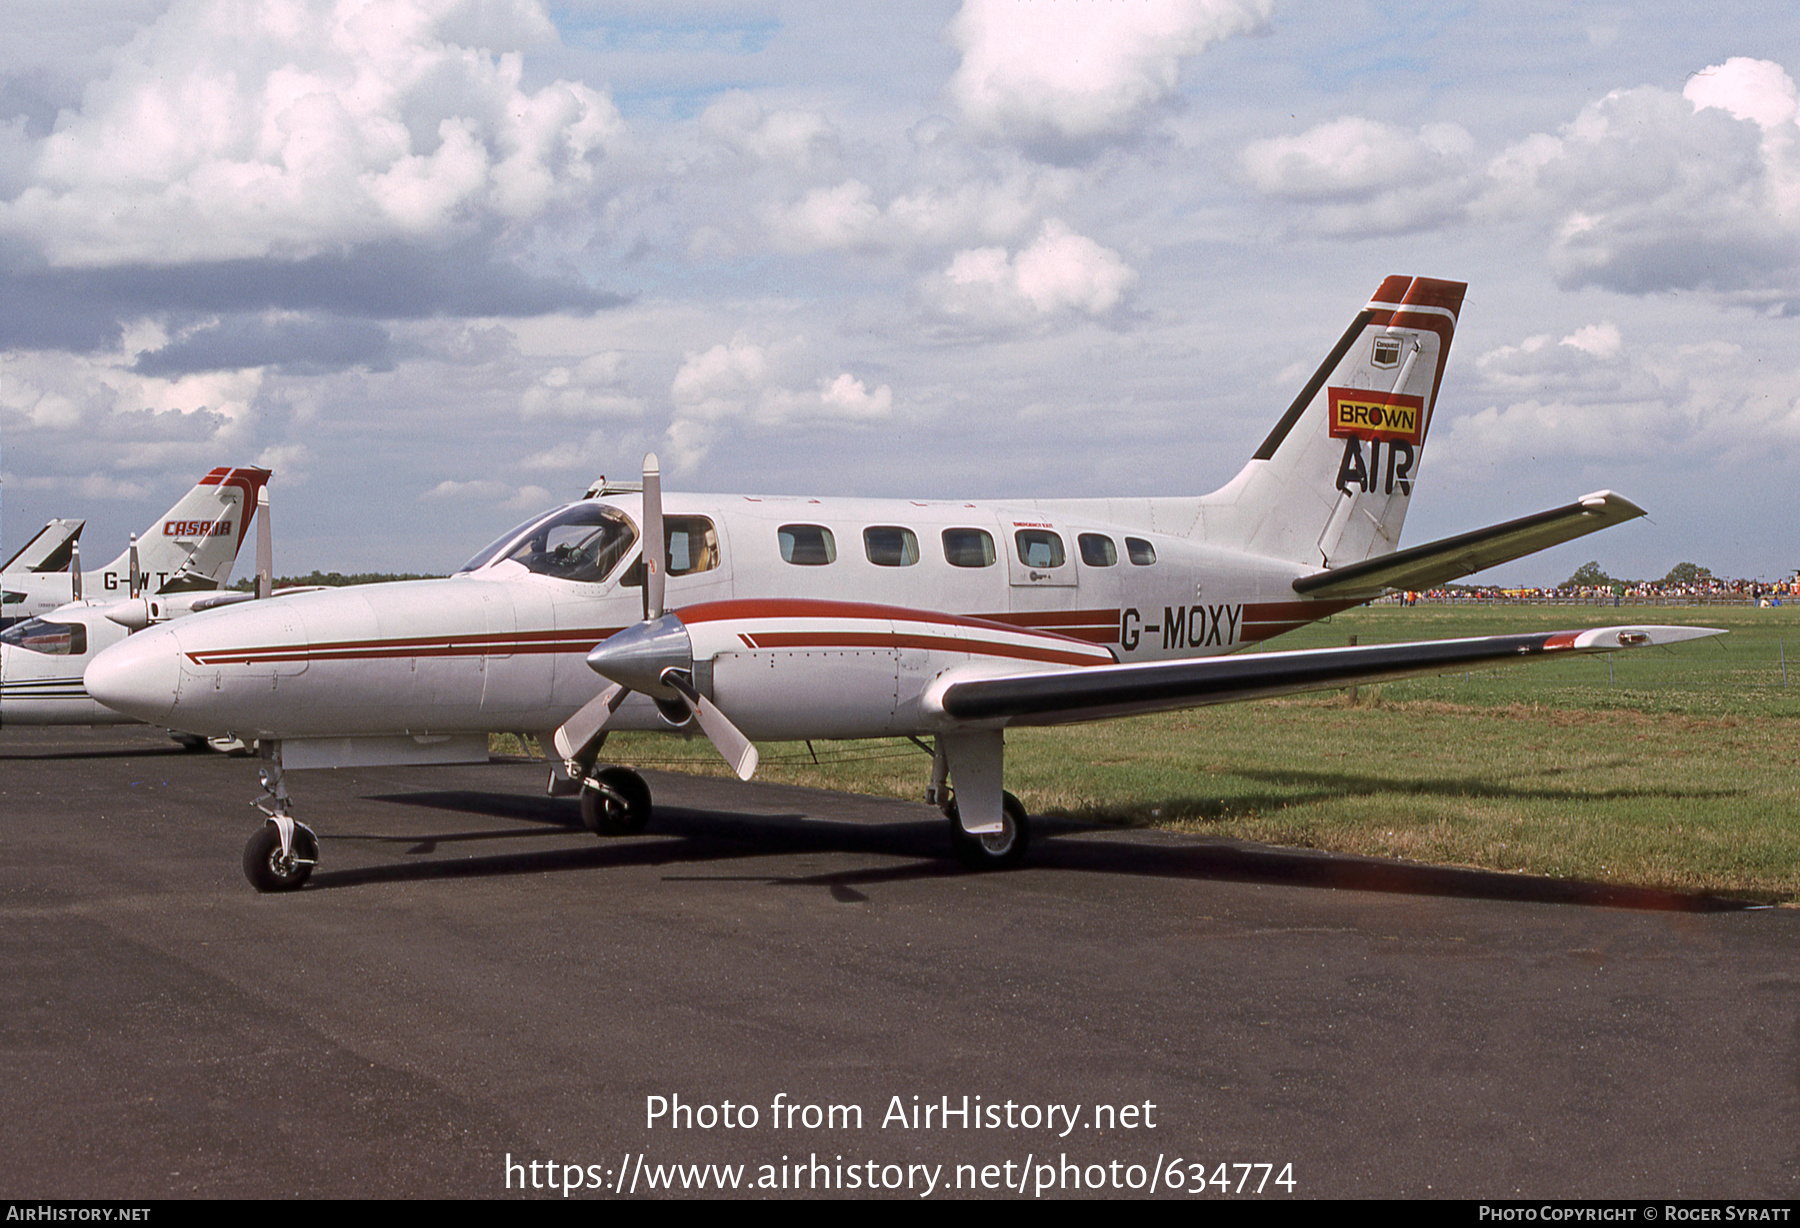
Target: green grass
{"points": [[1677, 768]]}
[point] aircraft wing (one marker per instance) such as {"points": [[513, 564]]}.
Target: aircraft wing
{"points": [[1439, 562], [1102, 692]]}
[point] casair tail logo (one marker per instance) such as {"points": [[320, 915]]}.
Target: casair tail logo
{"points": [[196, 528], [1391, 417]]}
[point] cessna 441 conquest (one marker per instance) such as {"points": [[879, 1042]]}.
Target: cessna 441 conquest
{"points": [[793, 618]]}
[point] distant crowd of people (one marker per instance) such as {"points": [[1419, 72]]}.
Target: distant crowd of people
{"points": [[1708, 589]]}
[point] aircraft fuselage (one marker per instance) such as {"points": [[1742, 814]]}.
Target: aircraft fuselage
{"points": [[502, 646]]}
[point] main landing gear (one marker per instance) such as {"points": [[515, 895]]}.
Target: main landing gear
{"points": [[280, 856], [999, 850]]}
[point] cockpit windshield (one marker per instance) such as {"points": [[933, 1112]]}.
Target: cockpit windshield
{"points": [[581, 542], [506, 539]]}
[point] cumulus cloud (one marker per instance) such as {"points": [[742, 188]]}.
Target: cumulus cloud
{"points": [[848, 217], [741, 383], [485, 490], [234, 129], [1649, 190], [792, 138], [1074, 72], [592, 388], [1059, 273], [1361, 176], [1598, 393]]}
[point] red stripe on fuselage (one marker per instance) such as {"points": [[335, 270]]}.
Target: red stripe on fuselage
{"points": [[1053, 623], [828, 640], [519, 643]]}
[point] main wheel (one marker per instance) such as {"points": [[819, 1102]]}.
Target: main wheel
{"points": [[268, 870], [621, 808], [999, 850]]}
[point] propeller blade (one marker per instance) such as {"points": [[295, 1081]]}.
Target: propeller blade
{"points": [[580, 734], [135, 583], [265, 549], [726, 738], [655, 547], [75, 569]]}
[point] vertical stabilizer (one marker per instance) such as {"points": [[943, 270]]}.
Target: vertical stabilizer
{"points": [[1331, 483], [193, 545]]}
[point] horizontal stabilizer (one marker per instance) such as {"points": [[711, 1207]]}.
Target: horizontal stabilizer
{"points": [[1099, 693], [1435, 563]]}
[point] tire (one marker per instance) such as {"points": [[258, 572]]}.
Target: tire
{"points": [[622, 808], [263, 864], [1000, 851]]}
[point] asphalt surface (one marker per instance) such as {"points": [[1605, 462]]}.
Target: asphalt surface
{"points": [[470, 978]]}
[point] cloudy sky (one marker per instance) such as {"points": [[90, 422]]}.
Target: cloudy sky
{"points": [[439, 263]]}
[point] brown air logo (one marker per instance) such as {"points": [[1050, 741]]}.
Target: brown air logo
{"points": [[1393, 417]]}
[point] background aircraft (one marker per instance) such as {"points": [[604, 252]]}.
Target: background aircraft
{"points": [[177, 567], [190, 548], [849, 618]]}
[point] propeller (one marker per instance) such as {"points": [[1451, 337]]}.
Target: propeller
{"points": [[136, 583], [75, 569], [654, 658], [265, 549]]}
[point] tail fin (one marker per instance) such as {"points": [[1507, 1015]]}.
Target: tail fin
{"points": [[1330, 484], [194, 544], [49, 550]]}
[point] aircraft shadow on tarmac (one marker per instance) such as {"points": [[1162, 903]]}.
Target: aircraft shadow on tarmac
{"points": [[696, 838]]}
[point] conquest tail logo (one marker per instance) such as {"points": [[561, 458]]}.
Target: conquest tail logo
{"points": [[196, 528], [1391, 417]]}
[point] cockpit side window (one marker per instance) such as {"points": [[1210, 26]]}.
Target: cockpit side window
{"points": [[52, 639], [582, 542], [692, 544]]}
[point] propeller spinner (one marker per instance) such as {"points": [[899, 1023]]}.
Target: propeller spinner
{"points": [[654, 658]]}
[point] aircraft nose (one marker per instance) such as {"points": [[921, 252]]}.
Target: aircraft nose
{"points": [[140, 676]]}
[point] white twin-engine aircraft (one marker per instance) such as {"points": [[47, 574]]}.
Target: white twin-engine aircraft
{"points": [[854, 618], [67, 617]]}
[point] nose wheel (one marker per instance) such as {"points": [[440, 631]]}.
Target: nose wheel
{"points": [[280, 856], [274, 865], [615, 801]]}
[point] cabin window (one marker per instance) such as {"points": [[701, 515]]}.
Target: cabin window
{"points": [[1097, 550], [1040, 548], [52, 639], [968, 548], [690, 543], [807, 545], [891, 546], [1140, 551]]}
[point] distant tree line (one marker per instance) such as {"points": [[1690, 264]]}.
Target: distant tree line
{"points": [[332, 579], [1590, 575]]}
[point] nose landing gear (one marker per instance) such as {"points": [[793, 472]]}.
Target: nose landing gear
{"points": [[281, 854]]}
